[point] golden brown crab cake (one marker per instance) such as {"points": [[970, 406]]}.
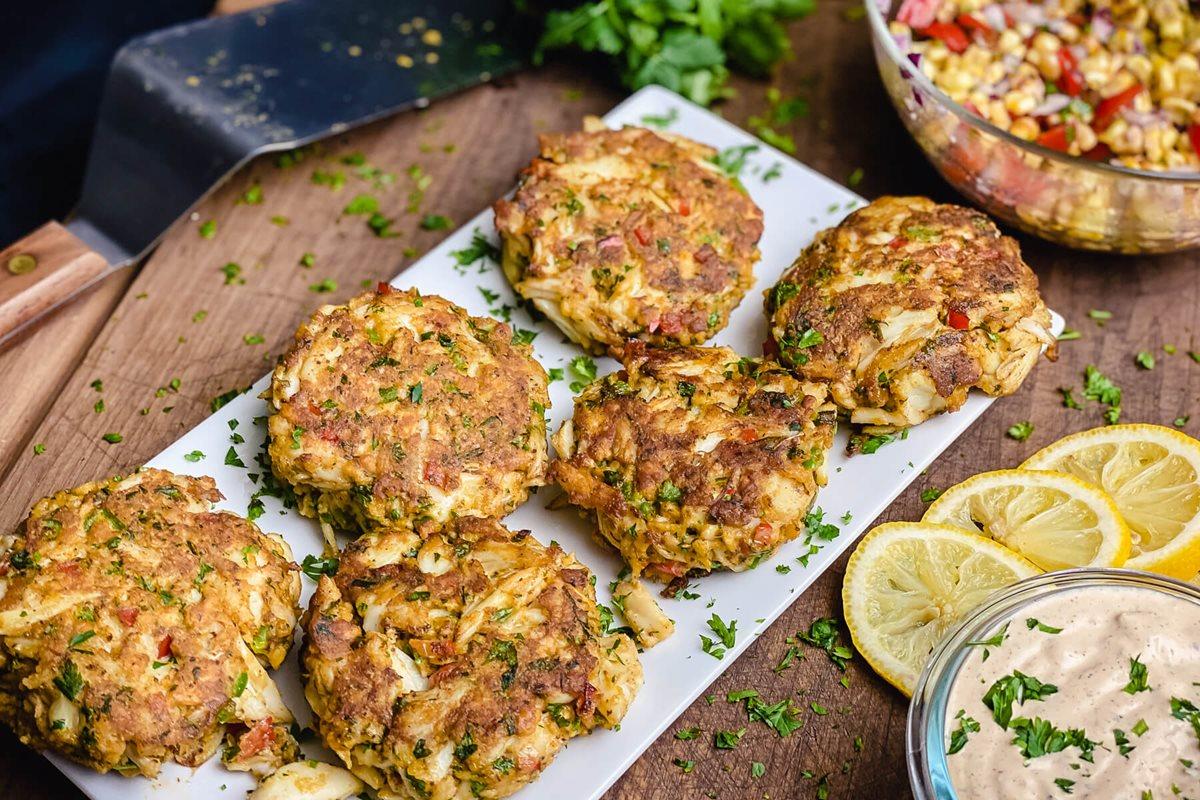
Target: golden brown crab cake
{"points": [[133, 620], [694, 459], [629, 234], [458, 664], [397, 408], [904, 307]]}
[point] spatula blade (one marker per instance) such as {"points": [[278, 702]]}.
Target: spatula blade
{"points": [[185, 106]]}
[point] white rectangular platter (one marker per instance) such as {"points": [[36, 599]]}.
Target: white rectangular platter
{"points": [[797, 203]]}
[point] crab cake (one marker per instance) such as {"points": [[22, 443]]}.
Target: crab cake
{"points": [[401, 409], [904, 307], [457, 665], [629, 233], [134, 625], [694, 459]]}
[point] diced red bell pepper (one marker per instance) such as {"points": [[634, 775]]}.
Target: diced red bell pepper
{"points": [[258, 738], [164, 647], [1071, 79], [977, 28], [764, 534], [1108, 109], [383, 288], [128, 615], [1194, 135], [954, 37], [958, 320], [685, 207], [1057, 138], [897, 242], [642, 235], [748, 435], [1100, 152]]}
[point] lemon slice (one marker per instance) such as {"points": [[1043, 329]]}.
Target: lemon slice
{"points": [[908, 583], [1055, 520], [1153, 475]]}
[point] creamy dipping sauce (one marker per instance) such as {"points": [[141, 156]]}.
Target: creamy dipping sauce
{"points": [[1107, 726]]}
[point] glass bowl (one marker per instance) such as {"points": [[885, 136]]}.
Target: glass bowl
{"points": [[1073, 201], [928, 771]]}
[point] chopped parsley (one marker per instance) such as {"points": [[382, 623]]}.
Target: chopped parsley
{"points": [[194, 456], [824, 634], [208, 229], [1099, 316], [726, 634], [69, 680], [1032, 623], [1144, 359], [931, 494], [728, 740], [113, 438], [1138, 677], [1020, 431], [315, 567], [1099, 388], [1015, 688], [958, 737], [435, 222], [324, 287], [479, 248], [732, 160]]}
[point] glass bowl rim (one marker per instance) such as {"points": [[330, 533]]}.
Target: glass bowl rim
{"points": [[922, 710], [881, 34]]}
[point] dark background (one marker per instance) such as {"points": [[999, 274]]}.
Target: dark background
{"points": [[53, 63]]}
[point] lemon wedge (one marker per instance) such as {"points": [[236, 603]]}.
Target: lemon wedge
{"points": [[1053, 519], [908, 583], [1153, 475]]}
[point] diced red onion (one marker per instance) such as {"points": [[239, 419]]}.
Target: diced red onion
{"points": [[609, 241], [993, 15], [1051, 105], [1102, 25]]}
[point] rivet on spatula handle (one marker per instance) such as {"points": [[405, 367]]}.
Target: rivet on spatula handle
{"points": [[41, 272]]}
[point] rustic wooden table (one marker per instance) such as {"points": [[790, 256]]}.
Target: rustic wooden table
{"points": [[139, 331]]}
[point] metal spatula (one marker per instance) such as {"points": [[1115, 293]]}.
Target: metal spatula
{"points": [[186, 106]]}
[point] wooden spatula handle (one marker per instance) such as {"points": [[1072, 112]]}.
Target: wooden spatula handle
{"points": [[41, 272]]}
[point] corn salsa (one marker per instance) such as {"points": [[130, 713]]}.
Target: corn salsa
{"points": [[1115, 80]]}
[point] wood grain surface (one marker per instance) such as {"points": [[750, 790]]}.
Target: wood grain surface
{"points": [[137, 334]]}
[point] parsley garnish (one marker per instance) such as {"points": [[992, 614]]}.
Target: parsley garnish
{"points": [[315, 567], [726, 635], [1032, 623], [1138, 677], [69, 681], [958, 737], [728, 740], [823, 634], [1020, 431], [1015, 688]]}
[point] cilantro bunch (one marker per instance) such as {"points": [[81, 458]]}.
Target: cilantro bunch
{"points": [[687, 46]]}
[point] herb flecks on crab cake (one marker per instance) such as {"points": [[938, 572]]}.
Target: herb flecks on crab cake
{"points": [[695, 459], [906, 306], [459, 664], [631, 233], [135, 623], [397, 408]]}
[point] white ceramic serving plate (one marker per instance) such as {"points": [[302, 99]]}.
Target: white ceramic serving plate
{"points": [[797, 203]]}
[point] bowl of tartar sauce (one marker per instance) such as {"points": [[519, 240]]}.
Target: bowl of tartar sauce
{"points": [[1082, 682]]}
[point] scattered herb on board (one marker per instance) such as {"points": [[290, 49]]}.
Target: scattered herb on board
{"points": [[113, 438], [39, 448], [1020, 431], [824, 634], [728, 740], [685, 764], [208, 229], [1099, 316], [1099, 388], [435, 222], [252, 196], [1144, 359], [1068, 398], [324, 287], [233, 273], [686, 734], [1069, 334], [931, 494]]}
